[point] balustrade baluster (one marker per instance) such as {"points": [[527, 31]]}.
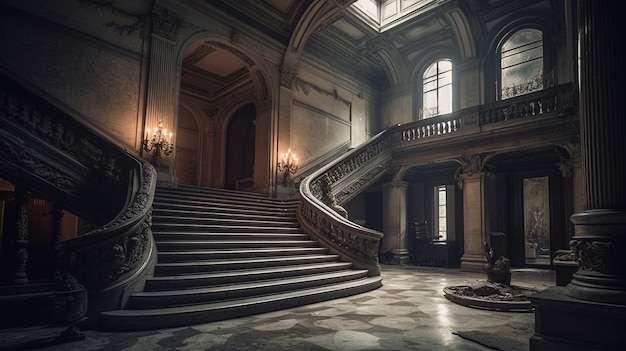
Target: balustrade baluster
{"points": [[21, 236]]}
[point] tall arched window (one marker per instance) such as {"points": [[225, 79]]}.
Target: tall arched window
{"points": [[522, 64], [437, 89]]}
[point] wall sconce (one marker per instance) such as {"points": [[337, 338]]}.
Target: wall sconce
{"points": [[161, 143], [288, 165]]}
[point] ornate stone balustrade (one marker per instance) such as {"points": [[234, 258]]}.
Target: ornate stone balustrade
{"points": [[319, 212], [47, 152], [425, 128], [556, 100]]}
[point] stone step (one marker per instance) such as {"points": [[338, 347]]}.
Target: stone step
{"points": [[202, 236], [195, 267], [169, 317], [220, 228], [183, 256], [178, 245], [198, 203], [237, 276], [224, 199], [252, 221], [160, 299], [221, 212]]}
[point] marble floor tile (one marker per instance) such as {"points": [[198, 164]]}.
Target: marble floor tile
{"points": [[409, 312]]}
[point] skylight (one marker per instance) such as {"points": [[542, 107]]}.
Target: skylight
{"points": [[385, 14]]}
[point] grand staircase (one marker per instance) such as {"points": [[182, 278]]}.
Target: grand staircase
{"points": [[225, 254]]}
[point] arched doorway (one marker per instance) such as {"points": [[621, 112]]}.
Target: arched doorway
{"points": [[240, 142], [225, 91]]}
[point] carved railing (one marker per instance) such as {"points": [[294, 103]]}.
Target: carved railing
{"points": [[318, 209], [49, 153], [323, 191], [429, 127], [559, 100]]}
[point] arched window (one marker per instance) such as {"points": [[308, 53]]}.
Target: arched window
{"points": [[522, 64], [437, 89]]}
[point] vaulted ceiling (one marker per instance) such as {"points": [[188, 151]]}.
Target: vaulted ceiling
{"points": [[384, 57]]}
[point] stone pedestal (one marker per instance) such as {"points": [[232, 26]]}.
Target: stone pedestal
{"points": [[566, 323]]}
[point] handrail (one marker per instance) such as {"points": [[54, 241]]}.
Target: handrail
{"points": [[48, 152]]}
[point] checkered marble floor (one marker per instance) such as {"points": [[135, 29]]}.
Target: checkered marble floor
{"points": [[409, 312]]}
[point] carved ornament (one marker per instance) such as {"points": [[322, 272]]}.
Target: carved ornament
{"points": [[124, 29], [600, 256], [43, 124], [306, 87], [166, 24], [287, 77]]}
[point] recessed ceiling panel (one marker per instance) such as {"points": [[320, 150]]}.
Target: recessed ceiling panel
{"points": [[281, 5], [351, 31], [221, 63], [421, 29]]}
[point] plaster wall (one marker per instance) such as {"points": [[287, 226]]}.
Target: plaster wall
{"points": [[91, 77]]}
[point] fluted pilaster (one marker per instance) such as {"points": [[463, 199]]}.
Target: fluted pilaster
{"points": [[161, 91]]}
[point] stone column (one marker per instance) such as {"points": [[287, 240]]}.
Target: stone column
{"points": [[396, 239], [471, 178], [474, 224], [162, 87], [590, 312], [599, 240]]}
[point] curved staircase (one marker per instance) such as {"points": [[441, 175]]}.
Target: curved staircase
{"points": [[224, 254]]}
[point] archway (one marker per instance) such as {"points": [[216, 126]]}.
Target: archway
{"points": [[225, 91]]}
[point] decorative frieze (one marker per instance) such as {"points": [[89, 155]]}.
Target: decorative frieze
{"points": [[44, 125]]}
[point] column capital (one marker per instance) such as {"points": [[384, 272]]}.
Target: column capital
{"points": [[165, 25], [396, 184]]}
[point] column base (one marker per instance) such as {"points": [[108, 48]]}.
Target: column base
{"points": [[599, 244], [566, 323], [473, 263], [400, 256]]}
